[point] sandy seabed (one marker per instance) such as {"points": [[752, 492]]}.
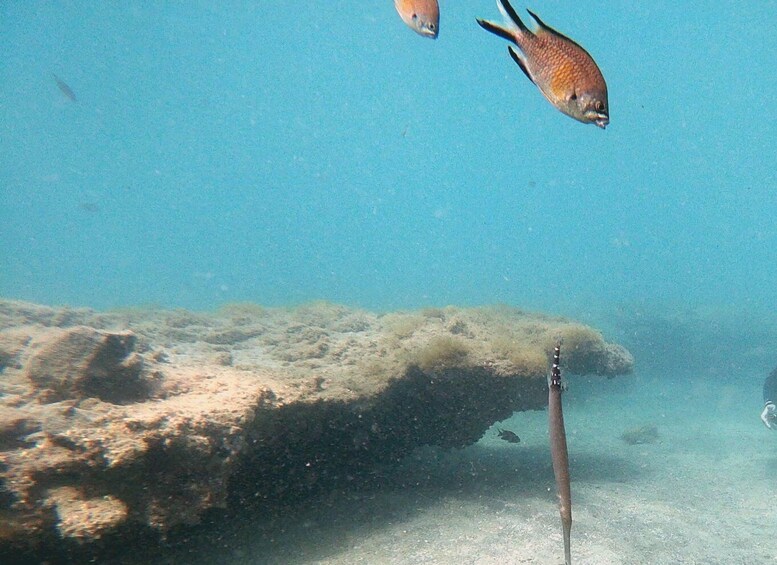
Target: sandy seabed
{"points": [[695, 483], [703, 493]]}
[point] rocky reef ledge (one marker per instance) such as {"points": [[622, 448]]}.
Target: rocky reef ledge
{"points": [[144, 419]]}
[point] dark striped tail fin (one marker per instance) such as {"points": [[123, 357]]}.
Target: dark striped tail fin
{"points": [[496, 29]]}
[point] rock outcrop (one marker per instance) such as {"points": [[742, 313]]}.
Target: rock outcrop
{"points": [[139, 420]]}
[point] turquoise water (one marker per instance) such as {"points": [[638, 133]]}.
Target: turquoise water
{"points": [[280, 154], [284, 152]]}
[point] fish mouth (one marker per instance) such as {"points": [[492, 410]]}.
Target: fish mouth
{"points": [[601, 119], [427, 32]]}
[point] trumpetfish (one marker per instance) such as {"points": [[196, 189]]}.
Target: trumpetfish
{"points": [[558, 451]]}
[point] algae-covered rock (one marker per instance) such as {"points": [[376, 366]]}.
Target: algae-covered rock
{"points": [[136, 420], [82, 362], [441, 352]]}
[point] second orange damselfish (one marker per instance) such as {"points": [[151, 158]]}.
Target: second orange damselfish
{"points": [[422, 16]]}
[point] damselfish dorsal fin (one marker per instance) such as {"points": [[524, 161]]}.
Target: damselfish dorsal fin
{"points": [[519, 61], [545, 27]]}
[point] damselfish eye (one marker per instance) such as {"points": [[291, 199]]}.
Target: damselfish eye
{"points": [[432, 27], [599, 106]]}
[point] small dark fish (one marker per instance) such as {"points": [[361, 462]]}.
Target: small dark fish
{"points": [[90, 207], [563, 71], [508, 436], [641, 435], [422, 16], [66, 90]]}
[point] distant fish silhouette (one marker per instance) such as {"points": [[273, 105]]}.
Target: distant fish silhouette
{"points": [[66, 90], [90, 207], [508, 436]]}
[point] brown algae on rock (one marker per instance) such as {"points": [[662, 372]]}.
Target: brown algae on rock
{"points": [[441, 352]]}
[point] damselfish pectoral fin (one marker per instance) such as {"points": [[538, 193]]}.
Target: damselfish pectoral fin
{"points": [[562, 85], [519, 60]]}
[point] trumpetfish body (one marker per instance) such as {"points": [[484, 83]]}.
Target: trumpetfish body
{"points": [[558, 452]]}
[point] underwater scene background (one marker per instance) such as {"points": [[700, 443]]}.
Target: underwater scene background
{"points": [[192, 155], [284, 153]]}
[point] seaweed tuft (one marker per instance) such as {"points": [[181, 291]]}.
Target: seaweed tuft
{"points": [[440, 353]]}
